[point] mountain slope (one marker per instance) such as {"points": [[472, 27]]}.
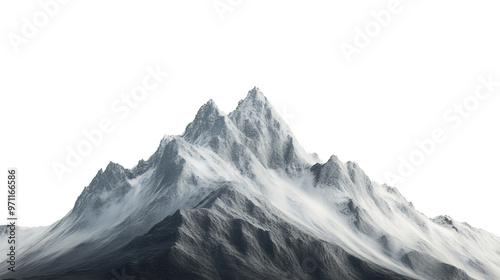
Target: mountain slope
{"points": [[236, 197]]}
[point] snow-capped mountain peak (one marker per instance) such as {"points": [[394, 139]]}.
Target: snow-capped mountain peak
{"points": [[209, 122], [237, 197]]}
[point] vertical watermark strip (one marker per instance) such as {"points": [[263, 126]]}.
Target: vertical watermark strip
{"points": [[12, 188]]}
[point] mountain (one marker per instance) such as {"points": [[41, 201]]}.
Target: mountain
{"points": [[236, 197]]}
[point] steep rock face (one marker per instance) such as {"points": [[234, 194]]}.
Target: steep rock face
{"points": [[267, 135], [332, 173], [446, 221], [145, 165], [108, 186], [213, 129], [208, 124]]}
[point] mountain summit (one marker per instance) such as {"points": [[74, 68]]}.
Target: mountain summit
{"points": [[236, 197]]}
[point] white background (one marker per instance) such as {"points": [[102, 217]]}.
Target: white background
{"points": [[429, 57]]}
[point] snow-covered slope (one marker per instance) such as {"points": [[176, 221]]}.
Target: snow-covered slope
{"points": [[237, 197]]}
